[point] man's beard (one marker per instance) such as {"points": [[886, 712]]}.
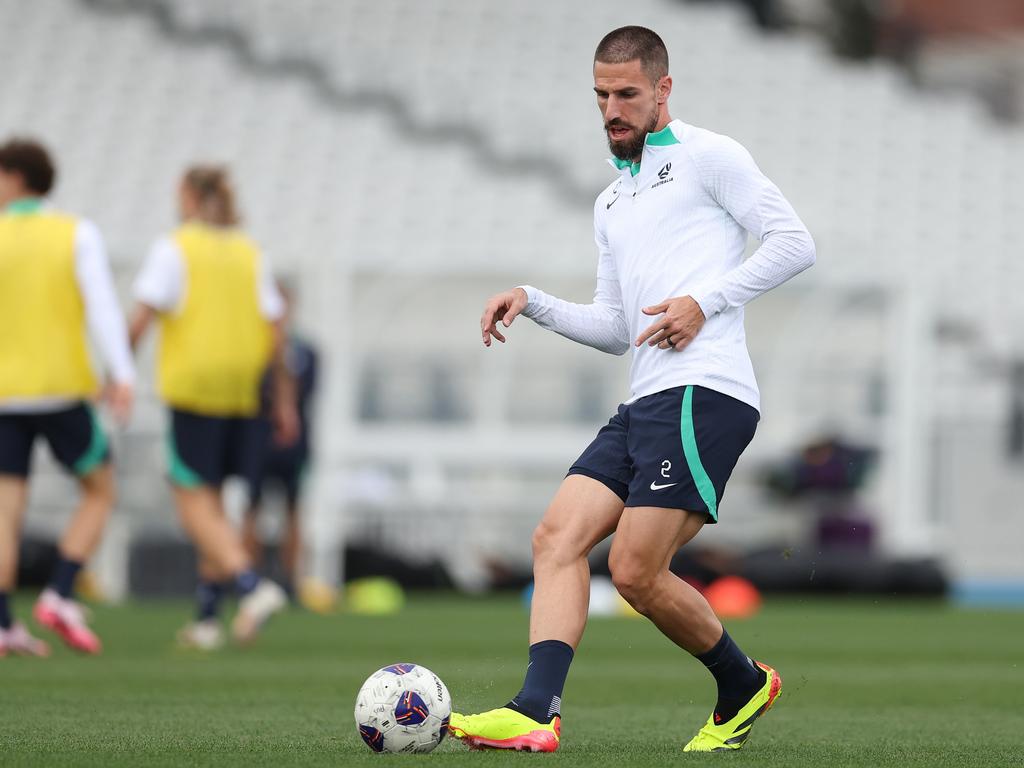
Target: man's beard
{"points": [[632, 147]]}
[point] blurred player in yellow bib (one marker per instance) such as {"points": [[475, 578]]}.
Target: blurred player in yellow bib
{"points": [[219, 312], [55, 289]]}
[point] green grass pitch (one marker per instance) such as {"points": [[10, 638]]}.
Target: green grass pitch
{"points": [[866, 684]]}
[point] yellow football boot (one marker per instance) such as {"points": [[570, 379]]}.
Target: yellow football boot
{"points": [[505, 728], [716, 737]]}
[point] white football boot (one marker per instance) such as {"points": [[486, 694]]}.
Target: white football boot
{"points": [[205, 635], [256, 608], [19, 641]]}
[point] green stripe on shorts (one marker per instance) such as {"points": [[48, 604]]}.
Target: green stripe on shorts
{"points": [[180, 473], [705, 487], [96, 454]]}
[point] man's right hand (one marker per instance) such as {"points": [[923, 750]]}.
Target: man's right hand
{"points": [[504, 307]]}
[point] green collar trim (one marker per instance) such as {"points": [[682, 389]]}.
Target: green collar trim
{"points": [[634, 168], [662, 138], [25, 205]]}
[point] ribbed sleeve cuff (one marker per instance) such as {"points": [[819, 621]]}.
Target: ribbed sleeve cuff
{"points": [[533, 300], [711, 302]]}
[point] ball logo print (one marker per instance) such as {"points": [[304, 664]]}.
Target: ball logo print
{"points": [[410, 709], [403, 708]]}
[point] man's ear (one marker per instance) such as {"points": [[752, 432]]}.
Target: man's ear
{"points": [[664, 89]]}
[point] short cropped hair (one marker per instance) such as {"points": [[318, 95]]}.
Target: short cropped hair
{"points": [[31, 160], [632, 43]]}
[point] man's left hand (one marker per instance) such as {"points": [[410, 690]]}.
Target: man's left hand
{"points": [[681, 320]]}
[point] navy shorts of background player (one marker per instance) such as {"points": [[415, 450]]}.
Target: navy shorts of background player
{"points": [[287, 465]]}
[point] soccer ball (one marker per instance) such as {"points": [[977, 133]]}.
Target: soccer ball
{"points": [[403, 708]]}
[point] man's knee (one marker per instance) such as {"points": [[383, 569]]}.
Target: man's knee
{"points": [[555, 544], [544, 541], [634, 579]]}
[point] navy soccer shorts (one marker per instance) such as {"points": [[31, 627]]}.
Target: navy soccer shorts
{"points": [[674, 449], [206, 450], [74, 435], [286, 474], [285, 467]]}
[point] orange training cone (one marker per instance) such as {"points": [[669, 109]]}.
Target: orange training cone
{"points": [[733, 597]]}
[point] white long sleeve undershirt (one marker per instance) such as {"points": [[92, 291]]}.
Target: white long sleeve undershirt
{"points": [[601, 324], [103, 313], [676, 228], [734, 180]]}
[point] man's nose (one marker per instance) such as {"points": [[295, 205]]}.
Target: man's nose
{"points": [[612, 109]]}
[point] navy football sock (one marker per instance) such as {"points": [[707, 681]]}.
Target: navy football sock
{"points": [[737, 676], [541, 696], [63, 579], [208, 597], [246, 582], [5, 612]]}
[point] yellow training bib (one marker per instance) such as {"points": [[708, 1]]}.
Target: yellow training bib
{"points": [[216, 347], [43, 349]]}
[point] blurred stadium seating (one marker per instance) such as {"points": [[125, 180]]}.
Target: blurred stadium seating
{"points": [[403, 159]]}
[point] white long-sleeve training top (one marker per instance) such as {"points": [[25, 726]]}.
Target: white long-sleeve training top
{"points": [[103, 317], [674, 225]]}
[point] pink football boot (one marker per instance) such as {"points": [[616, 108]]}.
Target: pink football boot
{"points": [[67, 618]]}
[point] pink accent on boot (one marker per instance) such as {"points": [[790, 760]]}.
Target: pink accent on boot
{"points": [[67, 618]]}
